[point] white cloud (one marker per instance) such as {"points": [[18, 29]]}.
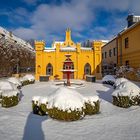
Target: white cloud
{"points": [[49, 21]]}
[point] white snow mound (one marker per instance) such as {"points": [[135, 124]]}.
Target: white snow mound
{"points": [[15, 81], [29, 77], [6, 85], [108, 78], [119, 81], [66, 99], [91, 99], [43, 100], [10, 93], [127, 89]]}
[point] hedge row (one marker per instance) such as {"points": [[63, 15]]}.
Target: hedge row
{"points": [[68, 115], [126, 101], [27, 82]]}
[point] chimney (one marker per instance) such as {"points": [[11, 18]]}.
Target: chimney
{"points": [[131, 19]]}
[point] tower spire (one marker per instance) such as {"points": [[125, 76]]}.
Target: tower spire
{"points": [[68, 34]]}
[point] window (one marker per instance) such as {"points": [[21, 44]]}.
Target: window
{"points": [[114, 51], [102, 55], [49, 69], [126, 42], [127, 63], [87, 69], [110, 53], [105, 54]]}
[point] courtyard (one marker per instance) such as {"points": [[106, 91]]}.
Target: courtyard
{"points": [[112, 123]]}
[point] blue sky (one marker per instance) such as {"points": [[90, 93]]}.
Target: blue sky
{"points": [[48, 19]]}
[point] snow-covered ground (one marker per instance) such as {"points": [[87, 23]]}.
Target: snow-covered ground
{"points": [[113, 123]]}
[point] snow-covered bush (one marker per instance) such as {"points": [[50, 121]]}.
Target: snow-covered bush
{"points": [[66, 104], [6, 85], [27, 79], [39, 105], [10, 98], [92, 105], [118, 81], [108, 79], [123, 70], [15, 81], [126, 95]]}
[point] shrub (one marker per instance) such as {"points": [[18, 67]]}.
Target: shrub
{"points": [[39, 105], [92, 105], [67, 115], [91, 109], [27, 82], [66, 104], [126, 95], [121, 101], [9, 101]]}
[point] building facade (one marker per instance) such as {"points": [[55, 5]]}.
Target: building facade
{"points": [[85, 61], [109, 57], [127, 47]]}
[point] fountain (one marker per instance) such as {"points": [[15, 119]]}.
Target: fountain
{"points": [[68, 73], [68, 69]]}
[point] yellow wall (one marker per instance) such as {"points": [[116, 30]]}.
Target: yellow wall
{"points": [[79, 57], [132, 53]]}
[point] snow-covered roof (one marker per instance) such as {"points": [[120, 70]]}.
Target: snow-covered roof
{"points": [[85, 48], [68, 49], [105, 41], [49, 49], [14, 38]]}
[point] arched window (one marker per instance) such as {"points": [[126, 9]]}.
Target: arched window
{"points": [[87, 69], [49, 69]]}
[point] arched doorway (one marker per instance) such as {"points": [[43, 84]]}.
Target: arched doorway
{"points": [[70, 67], [87, 69], [49, 69]]}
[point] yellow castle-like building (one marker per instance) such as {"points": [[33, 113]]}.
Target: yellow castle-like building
{"points": [[84, 61]]}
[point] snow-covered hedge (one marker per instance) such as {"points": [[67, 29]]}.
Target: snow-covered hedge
{"points": [[126, 95], [39, 105], [27, 79], [118, 81], [92, 105], [10, 98], [9, 94], [65, 104], [108, 79], [15, 81]]}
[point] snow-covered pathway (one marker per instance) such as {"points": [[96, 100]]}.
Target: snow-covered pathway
{"points": [[113, 123]]}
